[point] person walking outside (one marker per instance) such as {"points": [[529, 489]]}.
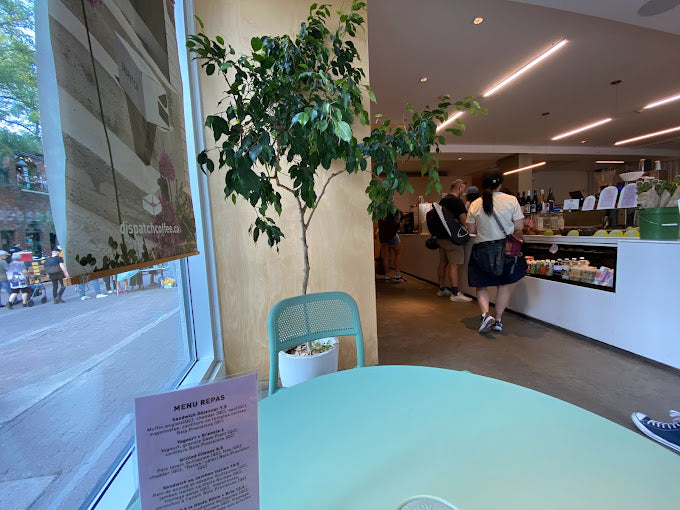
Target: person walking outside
{"points": [[17, 275], [56, 271], [390, 248], [492, 217], [452, 256], [4, 284]]}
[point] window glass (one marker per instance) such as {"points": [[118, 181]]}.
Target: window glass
{"points": [[70, 367]]}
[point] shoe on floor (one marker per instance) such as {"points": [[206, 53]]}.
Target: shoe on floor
{"points": [[10, 304], [487, 323], [398, 279], [443, 292], [83, 298], [462, 298], [667, 434], [99, 296], [387, 278], [498, 326]]}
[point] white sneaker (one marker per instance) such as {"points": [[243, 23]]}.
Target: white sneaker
{"points": [[109, 292], [99, 296], [487, 323], [460, 297], [443, 292], [498, 326], [84, 298]]}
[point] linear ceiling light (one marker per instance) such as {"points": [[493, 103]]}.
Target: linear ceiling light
{"points": [[524, 168], [449, 120], [603, 161], [524, 69], [662, 101], [583, 128], [658, 133]]}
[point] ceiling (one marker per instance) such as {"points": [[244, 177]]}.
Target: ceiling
{"points": [[608, 41]]}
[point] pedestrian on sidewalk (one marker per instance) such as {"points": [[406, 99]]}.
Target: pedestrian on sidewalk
{"points": [[83, 288], [17, 275], [56, 271], [4, 284]]}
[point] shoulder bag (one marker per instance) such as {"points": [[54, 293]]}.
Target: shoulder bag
{"points": [[513, 241]]}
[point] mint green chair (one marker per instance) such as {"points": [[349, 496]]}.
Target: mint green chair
{"points": [[301, 319]]}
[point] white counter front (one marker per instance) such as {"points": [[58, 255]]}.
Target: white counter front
{"points": [[638, 317]]}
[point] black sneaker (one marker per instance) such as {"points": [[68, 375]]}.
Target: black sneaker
{"points": [[398, 279], [10, 305], [667, 434]]}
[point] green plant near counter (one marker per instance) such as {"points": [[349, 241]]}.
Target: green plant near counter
{"points": [[658, 193], [291, 109]]}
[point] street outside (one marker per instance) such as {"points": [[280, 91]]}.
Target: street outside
{"points": [[69, 374]]}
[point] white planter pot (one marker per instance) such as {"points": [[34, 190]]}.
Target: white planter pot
{"points": [[296, 369]]}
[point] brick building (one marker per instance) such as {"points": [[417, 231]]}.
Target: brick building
{"points": [[25, 214]]}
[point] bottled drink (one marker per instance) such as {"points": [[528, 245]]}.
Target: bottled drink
{"points": [[534, 203], [551, 200], [541, 201], [527, 204], [522, 200]]}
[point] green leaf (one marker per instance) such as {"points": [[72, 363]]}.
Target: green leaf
{"points": [[301, 117], [342, 130], [371, 95], [254, 152], [219, 39], [256, 43], [322, 125], [210, 69]]}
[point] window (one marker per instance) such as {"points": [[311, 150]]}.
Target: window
{"points": [[70, 371]]}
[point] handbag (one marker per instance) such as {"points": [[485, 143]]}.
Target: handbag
{"points": [[513, 242], [456, 231]]}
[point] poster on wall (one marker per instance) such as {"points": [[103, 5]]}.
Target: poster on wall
{"points": [[115, 147], [197, 447]]}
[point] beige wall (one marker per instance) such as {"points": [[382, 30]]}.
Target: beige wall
{"points": [[253, 277]]}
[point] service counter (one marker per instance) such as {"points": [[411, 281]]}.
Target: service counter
{"points": [[638, 314]]}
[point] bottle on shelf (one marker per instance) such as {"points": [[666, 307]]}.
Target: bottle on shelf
{"points": [[534, 203], [522, 199], [551, 200], [527, 203], [541, 201]]}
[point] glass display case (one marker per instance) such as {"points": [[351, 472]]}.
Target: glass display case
{"points": [[586, 266]]}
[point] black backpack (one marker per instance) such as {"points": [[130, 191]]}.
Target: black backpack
{"points": [[459, 234]]}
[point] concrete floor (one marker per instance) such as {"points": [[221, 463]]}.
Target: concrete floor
{"points": [[415, 327]]}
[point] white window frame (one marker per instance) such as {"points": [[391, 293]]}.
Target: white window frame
{"points": [[197, 284]]}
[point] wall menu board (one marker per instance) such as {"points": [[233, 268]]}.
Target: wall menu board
{"points": [[197, 447]]}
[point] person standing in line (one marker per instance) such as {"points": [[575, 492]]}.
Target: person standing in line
{"points": [[471, 194], [4, 284], [390, 247], [16, 247], [451, 255], [56, 271], [492, 217], [17, 275]]}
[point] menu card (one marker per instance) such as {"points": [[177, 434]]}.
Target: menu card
{"points": [[571, 203], [608, 198], [589, 203], [197, 448], [628, 195]]}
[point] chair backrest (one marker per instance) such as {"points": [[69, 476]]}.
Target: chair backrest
{"points": [[301, 319]]}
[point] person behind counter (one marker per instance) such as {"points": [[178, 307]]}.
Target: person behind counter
{"points": [[488, 265]]}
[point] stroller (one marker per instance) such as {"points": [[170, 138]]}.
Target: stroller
{"points": [[32, 282], [36, 277]]}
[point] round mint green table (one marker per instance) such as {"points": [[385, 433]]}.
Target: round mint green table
{"points": [[371, 438]]}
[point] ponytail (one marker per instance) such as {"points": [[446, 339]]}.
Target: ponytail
{"points": [[490, 182], [487, 202]]}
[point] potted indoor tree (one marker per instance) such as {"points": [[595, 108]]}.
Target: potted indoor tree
{"points": [[290, 110]]}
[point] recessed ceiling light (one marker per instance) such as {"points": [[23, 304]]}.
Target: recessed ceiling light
{"points": [[583, 141], [478, 20], [449, 120], [423, 79], [582, 128], [608, 162], [524, 69], [459, 159], [649, 135], [662, 101], [524, 168]]}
